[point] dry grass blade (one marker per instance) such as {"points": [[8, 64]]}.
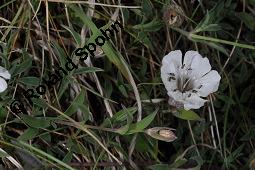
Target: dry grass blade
{"points": [[93, 3], [12, 160]]}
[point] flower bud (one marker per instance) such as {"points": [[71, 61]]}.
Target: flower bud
{"points": [[162, 133]]}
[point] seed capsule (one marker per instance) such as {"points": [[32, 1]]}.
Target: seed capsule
{"points": [[173, 15]]}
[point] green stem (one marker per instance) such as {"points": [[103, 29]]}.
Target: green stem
{"points": [[199, 37], [87, 126]]}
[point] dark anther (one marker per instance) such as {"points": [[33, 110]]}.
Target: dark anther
{"points": [[194, 91], [171, 74], [171, 78]]}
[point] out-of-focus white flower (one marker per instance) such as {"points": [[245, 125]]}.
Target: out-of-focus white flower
{"points": [[4, 74], [188, 79]]}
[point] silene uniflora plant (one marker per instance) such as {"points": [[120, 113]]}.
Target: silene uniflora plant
{"points": [[188, 80]]}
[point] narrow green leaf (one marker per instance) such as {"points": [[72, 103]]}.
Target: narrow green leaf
{"points": [[3, 112], [30, 133], [144, 39], [31, 81], [179, 162], [68, 157], [78, 103], [139, 126], [121, 115], [25, 65], [160, 167], [36, 122], [187, 115], [75, 35], [153, 25], [147, 8], [52, 158], [75, 104], [60, 52], [84, 70], [123, 130], [248, 20]]}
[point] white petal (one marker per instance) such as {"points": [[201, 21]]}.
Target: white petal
{"points": [[4, 73], [170, 64], [174, 57], [3, 85], [176, 95], [193, 102], [165, 70], [190, 57], [170, 86], [168, 68], [210, 83], [200, 67]]}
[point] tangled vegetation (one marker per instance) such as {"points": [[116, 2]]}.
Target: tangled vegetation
{"points": [[107, 108]]}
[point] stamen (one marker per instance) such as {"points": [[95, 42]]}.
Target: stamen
{"points": [[171, 78], [194, 91], [171, 74], [200, 86], [189, 95], [186, 83]]}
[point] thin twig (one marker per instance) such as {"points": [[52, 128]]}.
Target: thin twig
{"points": [[211, 127], [237, 38], [216, 124], [193, 139]]}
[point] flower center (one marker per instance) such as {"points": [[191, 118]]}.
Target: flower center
{"points": [[184, 84], [184, 81]]}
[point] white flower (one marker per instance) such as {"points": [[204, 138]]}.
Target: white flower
{"points": [[188, 79], [4, 74]]}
